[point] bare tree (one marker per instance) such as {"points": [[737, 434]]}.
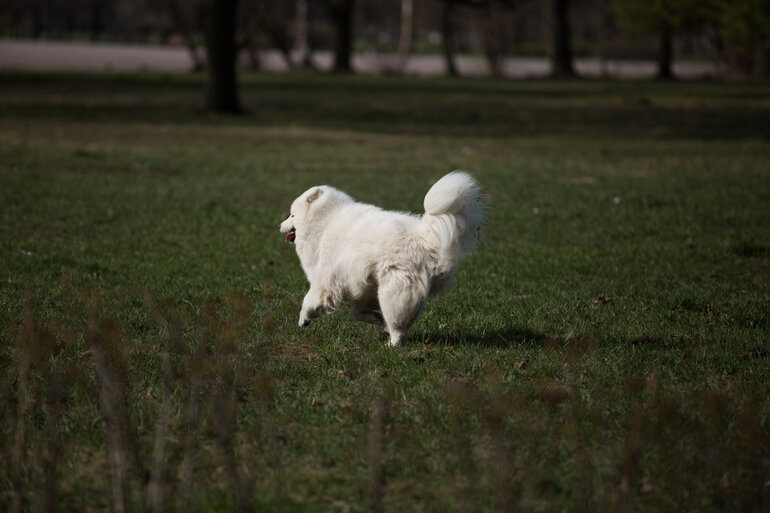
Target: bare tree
{"points": [[658, 18], [407, 28], [183, 22], [97, 11], [664, 19], [495, 28], [491, 23], [561, 35], [221, 50], [341, 12], [448, 36], [665, 51], [268, 19], [302, 35]]}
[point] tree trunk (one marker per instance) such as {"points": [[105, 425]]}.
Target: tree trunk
{"points": [[405, 40], [97, 20], [493, 41], [447, 37], [222, 93], [665, 52], [302, 40], [178, 18], [561, 57], [342, 17]]}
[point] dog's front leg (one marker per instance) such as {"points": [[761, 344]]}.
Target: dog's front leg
{"points": [[311, 307]]}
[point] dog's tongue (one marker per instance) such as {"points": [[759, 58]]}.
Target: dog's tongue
{"points": [[290, 236]]}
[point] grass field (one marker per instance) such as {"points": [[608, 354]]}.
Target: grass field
{"points": [[607, 350]]}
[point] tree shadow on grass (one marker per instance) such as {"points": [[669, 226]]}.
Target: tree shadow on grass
{"points": [[509, 337], [404, 107]]}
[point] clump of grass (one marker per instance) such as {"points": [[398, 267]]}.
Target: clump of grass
{"points": [[143, 461], [519, 436]]}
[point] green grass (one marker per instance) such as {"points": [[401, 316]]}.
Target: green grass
{"points": [[607, 350]]}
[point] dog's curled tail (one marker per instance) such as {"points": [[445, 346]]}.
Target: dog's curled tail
{"points": [[454, 214]]}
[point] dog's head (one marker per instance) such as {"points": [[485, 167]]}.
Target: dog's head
{"points": [[299, 213]]}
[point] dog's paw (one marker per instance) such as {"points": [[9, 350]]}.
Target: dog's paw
{"points": [[397, 337]]}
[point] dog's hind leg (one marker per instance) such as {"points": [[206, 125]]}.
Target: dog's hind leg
{"points": [[401, 302], [312, 306]]}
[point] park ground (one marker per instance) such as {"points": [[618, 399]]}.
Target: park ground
{"points": [[606, 350]]}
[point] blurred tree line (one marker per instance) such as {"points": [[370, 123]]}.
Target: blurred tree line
{"points": [[735, 33]]}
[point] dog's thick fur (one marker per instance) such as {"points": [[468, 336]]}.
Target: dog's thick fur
{"points": [[386, 263]]}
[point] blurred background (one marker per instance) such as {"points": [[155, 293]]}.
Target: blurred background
{"points": [[504, 38]]}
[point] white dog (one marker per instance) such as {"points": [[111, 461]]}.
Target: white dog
{"points": [[381, 260]]}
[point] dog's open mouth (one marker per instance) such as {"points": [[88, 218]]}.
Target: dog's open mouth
{"points": [[291, 235]]}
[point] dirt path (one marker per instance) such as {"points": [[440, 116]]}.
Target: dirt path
{"points": [[64, 56]]}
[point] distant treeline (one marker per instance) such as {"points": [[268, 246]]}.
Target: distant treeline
{"points": [[734, 33]]}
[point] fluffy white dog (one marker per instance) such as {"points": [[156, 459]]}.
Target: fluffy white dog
{"points": [[386, 263]]}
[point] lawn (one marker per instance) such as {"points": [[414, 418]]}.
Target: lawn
{"points": [[608, 349]]}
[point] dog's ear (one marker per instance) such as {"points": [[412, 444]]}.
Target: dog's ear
{"points": [[314, 195]]}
